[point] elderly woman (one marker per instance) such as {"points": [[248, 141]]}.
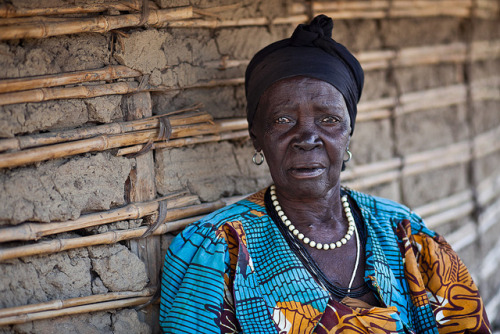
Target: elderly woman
{"points": [[307, 255]]}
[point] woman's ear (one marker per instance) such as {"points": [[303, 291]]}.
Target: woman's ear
{"points": [[255, 142]]}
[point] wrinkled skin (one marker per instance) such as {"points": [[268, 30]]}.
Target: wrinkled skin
{"points": [[303, 128], [303, 135]]}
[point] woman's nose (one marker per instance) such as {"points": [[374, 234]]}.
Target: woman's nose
{"points": [[307, 139]]}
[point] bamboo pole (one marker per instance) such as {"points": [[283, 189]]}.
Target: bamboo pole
{"points": [[71, 302], [350, 5], [484, 50], [489, 217], [244, 22], [373, 180], [96, 307], [7, 10], [449, 202], [242, 134], [432, 12], [431, 99], [30, 19], [465, 235], [488, 189], [486, 143], [226, 63], [429, 55], [382, 59], [99, 143], [107, 73], [370, 60], [357, 172], [79, 92], [438, 158], [47, 94], [23, 142], [112, 237], [376, 60], [464, 209], [364, 176], [101, 24], [376, 109], [35, 231], [385, 9]]}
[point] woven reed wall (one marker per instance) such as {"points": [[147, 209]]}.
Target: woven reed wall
{"points": [[121, 123]]}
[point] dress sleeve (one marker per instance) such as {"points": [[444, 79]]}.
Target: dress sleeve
{"points": [[437, 276], [193, 282]]}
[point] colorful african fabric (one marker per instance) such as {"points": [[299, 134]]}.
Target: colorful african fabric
{"points": [[233, 272]]}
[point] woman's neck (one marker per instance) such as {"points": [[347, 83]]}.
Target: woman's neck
{"points": [[320, 213]]}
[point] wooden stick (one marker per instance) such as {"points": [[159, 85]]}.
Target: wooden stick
{"points": [[111, 305], [99, 143], [46, 94], [23, 142], [488, 190], [242, 134], [7, 10], [35, 231], [237, 124], [208, 84], [253, 21], [71, 302], [107, 73], [30, 19], [431, 99], [112, 237], [370, 169], [484, 50], [386, 9], [486, 143], [375, 5], [428, 55], [100, 24], [373, 180], [462, 210], [438, 158], [371, 61], [226, 63], [79, 92], [431, 11], [444, 203]]}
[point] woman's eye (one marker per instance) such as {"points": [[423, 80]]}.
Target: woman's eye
{"points": [[329, 119], [282, 120]]}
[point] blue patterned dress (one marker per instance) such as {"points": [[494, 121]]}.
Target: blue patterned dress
{"points": [[234, 272]]}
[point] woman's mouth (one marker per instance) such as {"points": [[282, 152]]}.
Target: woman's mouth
{"points": [[306, 172]]}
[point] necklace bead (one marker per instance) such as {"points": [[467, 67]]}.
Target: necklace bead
{"points": [[308, 241]]}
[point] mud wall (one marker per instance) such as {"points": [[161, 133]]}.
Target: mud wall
{"points": [[77, 193]]}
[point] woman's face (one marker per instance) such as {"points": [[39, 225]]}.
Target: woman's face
{"points": [[302, 126]]}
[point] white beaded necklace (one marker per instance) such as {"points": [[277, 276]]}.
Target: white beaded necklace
{"points": [[308, 241]]}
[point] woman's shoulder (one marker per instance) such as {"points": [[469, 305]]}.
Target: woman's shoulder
{"points": [[388, 210], [249, 206], [207, 236], [379, 204]]}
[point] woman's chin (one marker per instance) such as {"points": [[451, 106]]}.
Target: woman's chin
{"points": [[310, 184]]}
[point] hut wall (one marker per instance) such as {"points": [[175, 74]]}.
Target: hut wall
{"points": [[76, 196]]}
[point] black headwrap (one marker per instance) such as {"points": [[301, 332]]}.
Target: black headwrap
{"points": [[310, 52]]}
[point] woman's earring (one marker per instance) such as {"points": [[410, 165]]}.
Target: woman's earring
{"points": [[258, 158], [349, 155]]}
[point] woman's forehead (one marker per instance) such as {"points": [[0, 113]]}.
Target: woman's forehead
{"points": [[291, 90]]}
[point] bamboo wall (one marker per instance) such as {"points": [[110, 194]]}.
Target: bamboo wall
{"points": [[121, 123]]}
